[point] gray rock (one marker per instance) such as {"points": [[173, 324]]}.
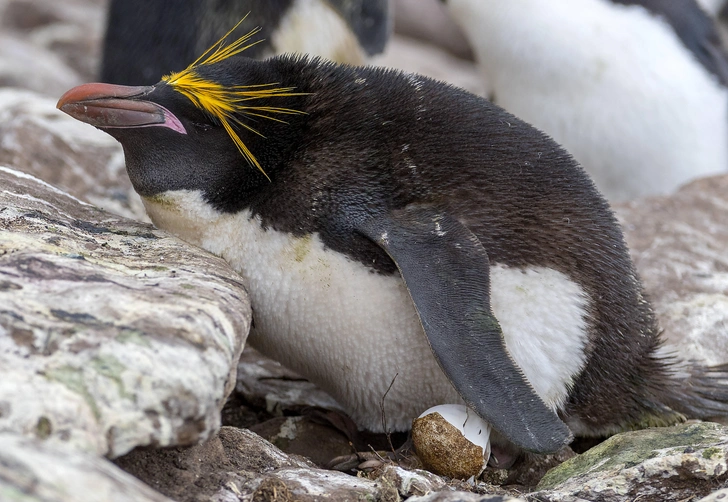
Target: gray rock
{"points": [[678, 244], [239, 464], [34, 471], [268, 384], [23, 64], [314, 484], [112, 334], [70, 31], [38, 139], [303, 436], [719, 496], [447, 496], [411, 482], [663, 464]]}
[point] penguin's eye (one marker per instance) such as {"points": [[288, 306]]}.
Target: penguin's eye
{"points": [[202, 126]]}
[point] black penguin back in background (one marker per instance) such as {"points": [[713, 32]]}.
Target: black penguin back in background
{"points": [[146, 39], [370, 20]]}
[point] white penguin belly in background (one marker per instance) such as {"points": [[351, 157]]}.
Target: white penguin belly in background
{"points": [[298, 317], [614, 84]]}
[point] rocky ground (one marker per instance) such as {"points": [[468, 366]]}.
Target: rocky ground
{"points": [[120, 345]]}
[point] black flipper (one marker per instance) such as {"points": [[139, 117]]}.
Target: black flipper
{"points": [[446, 271]]}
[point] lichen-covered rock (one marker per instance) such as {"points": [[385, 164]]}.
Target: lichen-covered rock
{"points": [[459, 496], [411, 482], [678, 244], [38, 139], [653, 465], [240, 465], [34, 471], [112, 334]]}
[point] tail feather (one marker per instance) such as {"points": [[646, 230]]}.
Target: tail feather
{"points": [[697, 391]]}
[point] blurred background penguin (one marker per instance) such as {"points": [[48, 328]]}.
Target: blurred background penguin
{"points": [[146, 39], [635, 90]]}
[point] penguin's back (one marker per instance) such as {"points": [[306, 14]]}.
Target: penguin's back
{"points": [[377, 140], [393, 139]]}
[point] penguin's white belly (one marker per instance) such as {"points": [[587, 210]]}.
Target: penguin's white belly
{"points": [[354, 332]]}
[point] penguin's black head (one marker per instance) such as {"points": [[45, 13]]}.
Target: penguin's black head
{"points": [[210, 128]]}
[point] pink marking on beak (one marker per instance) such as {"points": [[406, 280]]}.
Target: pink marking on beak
{"points": [[116, 106]]}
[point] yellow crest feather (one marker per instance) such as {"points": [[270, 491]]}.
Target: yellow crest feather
{"points": [[224, 103]]}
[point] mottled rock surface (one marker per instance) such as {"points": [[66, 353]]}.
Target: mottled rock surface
{"points": [[718, 496], [49, 45], [653, 465], [112, 334], [40, 140], [679, 244], [463, 497], [88, 399], [32, 470], [20, 58], [238, 464], [268, 384]]}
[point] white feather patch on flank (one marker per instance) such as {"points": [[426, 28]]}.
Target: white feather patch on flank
{"points": [[543, 317], [353, 331], [313, 27], [612, 83]]}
